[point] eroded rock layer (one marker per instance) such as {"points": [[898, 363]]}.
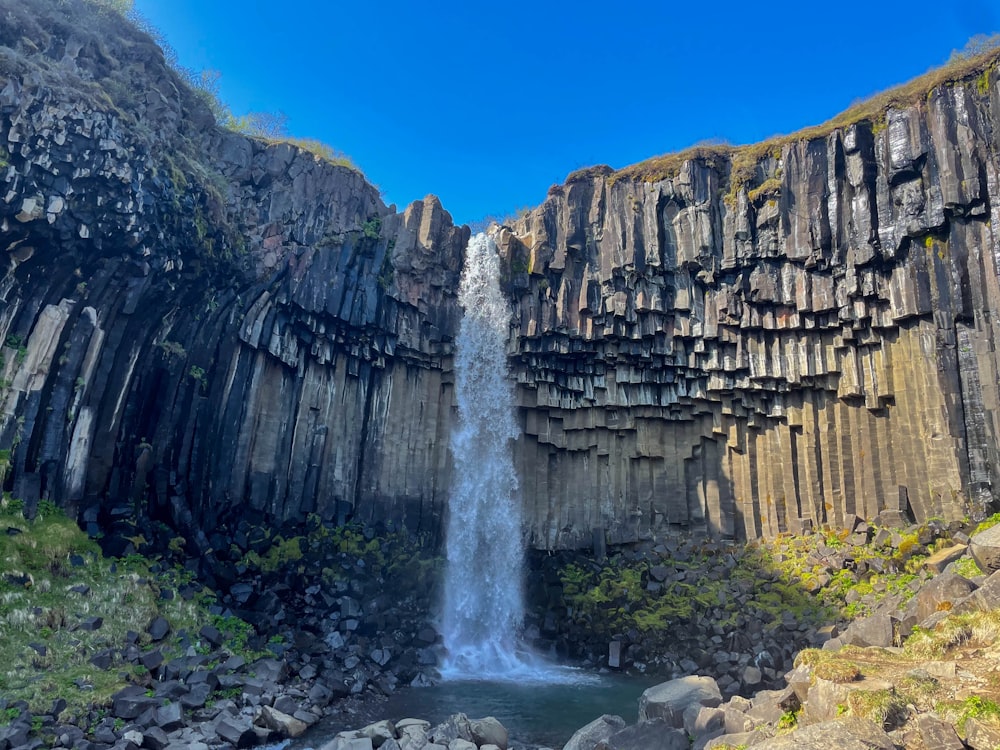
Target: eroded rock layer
{"points": [[199, 327]]}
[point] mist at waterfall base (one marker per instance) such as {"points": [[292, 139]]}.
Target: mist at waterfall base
{"points": [[483, 608]]}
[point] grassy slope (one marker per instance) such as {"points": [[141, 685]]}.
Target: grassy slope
{"points": [[44, 651]]}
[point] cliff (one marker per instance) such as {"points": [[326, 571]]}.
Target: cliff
{"points": [[202, 329], [751, 340], [205, 331]]}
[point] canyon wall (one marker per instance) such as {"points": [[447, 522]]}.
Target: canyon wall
{"points": [[203, 330]]}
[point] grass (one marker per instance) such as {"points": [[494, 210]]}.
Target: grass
{"points": [[975, 67], [978, 629], [44, 653], [887, 708]]}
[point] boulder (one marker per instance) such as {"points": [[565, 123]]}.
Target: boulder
{"points": [[596, 732], [668, 700], [701, 720], [875, 630], [489, 731], [985, 549], [941, 592], [984, 598], [379, 732], [454, 727], [282, 723], [850, 733], [940, 559], [980, 736], [648, 735], [938, 734]]}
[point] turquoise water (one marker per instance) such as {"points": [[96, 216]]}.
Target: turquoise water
{"points": [[533, 713]]}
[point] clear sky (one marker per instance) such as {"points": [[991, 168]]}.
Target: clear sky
{"points": [[488, 104]]}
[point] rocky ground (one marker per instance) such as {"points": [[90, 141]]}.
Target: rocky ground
{"points": [[921, 671], [322, 620]]}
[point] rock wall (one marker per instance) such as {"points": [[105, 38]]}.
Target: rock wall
{"points": [[199, 328], [743, 350]]}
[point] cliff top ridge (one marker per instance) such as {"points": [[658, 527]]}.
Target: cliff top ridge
{"points": [[975, 63]]}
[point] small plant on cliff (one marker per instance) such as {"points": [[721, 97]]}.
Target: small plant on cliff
{"points": [[198, 373]]}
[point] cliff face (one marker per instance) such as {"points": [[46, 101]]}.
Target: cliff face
{"points": [[200, 329], [741, 349]]}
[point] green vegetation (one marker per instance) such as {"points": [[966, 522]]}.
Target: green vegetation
{"points": [[978, 629], [987, 523], [979, 708], [172, 349], [788, 721], [966, 567], [53, 581], [836, 670], [267, 126], [885, 707], [198, 374]]}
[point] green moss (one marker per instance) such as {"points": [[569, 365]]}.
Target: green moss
{"points": [[987, 523], [967, 568], [42, 561]]}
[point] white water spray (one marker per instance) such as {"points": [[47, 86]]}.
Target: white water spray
{"points": [[483, 608]]}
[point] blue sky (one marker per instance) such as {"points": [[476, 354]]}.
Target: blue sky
{"points": [[488, 104]]}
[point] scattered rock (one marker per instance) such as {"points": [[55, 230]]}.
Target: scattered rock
{"points": [[668, 700]]}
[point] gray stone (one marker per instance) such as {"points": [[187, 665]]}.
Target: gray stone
{"points": [[489, 731], [599, 730], [849, 733], [981, 736], [937, 734], [282, 723], [648, 735], [874, 630], [985, 549], [942, 591], [668, 700]]}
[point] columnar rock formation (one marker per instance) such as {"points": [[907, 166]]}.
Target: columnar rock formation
{"points": [[812, 339], [200, 327]]}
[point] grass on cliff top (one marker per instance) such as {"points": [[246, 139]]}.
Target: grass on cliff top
{"points": [[977, 63], [45, 650], [270, 127]]}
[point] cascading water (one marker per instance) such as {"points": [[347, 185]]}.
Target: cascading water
{"points": [[483, 607]]}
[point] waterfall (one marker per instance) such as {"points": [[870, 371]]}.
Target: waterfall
{"points": [[483, 607]]}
